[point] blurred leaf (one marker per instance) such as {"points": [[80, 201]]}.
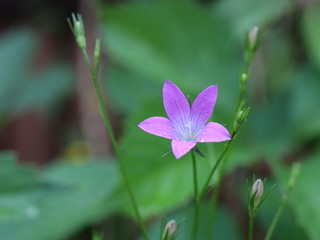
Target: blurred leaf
{"points": [[305, 195], [69, 198], [46, 90], [128, 90], [223, 224], [25, 176], [287, 227], [304, 100], [311, 33], [20, 89], [242, 15], [160, 183], [16, 48], [182, 42]]}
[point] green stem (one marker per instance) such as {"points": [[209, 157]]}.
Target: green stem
{"points": [[204, 188], [212, 210], [243, 83], [243, 80], [107, 124], [295, 169], [250, 233], [196, 197], [277, 216]]}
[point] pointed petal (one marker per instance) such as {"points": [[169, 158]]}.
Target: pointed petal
{"points": [[214, 132], [158, 126], [175, 103], [203, 105], [180, 148]]}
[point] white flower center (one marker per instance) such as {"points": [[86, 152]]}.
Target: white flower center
{"points": [[186, 130]]}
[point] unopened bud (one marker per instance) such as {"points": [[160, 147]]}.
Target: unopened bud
{"points": [[169, 230], [295, 170], [78, 27], [97, 52], [257, 189], [244, 77], [253, 38], [241, 116]]}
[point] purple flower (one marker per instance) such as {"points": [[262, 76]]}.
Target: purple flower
{"points": [[186, 126]]}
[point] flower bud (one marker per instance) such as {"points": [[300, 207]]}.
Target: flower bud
{"points": [[241, 116], [253, 38], [295, 170], [97, 52], [244, 77], [257, 189], [77, 28], [169, 230]]}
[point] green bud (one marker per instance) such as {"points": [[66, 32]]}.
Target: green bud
{"points": [[244, 78], [77, 28], [97, 52], [253, 38], [241, 116], [295, 171]]}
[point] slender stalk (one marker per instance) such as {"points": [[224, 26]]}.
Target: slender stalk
{"points": [[204, 188], [212, 210], [295, 170], [250, 233], [196, 198], [107, 124], [241, 101], [276, 217]]}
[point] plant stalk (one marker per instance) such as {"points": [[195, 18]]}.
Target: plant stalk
{"points": [[204, 188], [250, 233], [107, 124], [196, 198]]}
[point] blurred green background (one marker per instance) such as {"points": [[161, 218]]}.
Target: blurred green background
{"points": [[58, 176]]}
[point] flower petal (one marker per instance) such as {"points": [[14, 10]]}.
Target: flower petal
{"points": [[203, 105], [180, 148], [214, 132], [175, 103], [158, 126]]}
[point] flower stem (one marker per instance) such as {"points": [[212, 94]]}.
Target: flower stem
{"points": [[212, 211], [276, 217], [107, 124], [204, 188], [196, 198], [244, 74], [250, 233], [292, 180]]}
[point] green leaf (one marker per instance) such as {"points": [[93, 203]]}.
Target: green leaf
{"points": [[305, 196], [26, 90], [287, 227], [25, 176], [128, 90], [66, 198], [16, 48], [242, 15], [45, 91], [182, 42], [310, 31]]}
